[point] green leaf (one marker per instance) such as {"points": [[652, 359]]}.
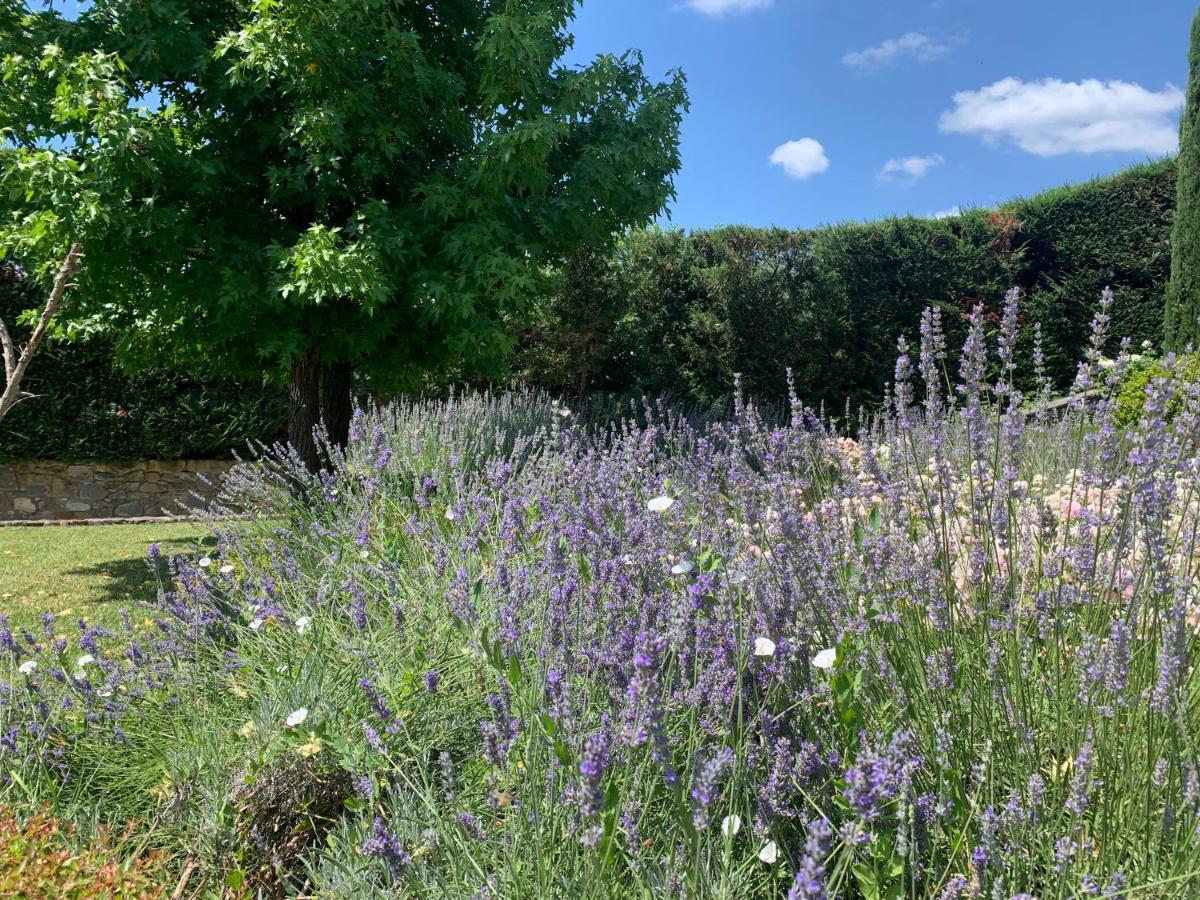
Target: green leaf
{"points": [[563, 754], [865, 876]]}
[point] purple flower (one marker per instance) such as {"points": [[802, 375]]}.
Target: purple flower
{"points": [[877, 778], [1081, 780], [597, 750], [472, 826], [385, 846], [809, 883], [644, 710], [706, 785]]}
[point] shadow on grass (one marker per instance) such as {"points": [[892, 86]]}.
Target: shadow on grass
{"points": [[126, 580]]}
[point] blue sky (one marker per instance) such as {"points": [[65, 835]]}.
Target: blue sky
{"points": [[972, 102]]}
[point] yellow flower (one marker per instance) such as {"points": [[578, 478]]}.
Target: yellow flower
{"points": [[248, 729], [312, 748], [163, 789]]}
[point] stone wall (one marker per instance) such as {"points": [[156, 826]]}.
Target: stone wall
{"points": [[44, 491]]}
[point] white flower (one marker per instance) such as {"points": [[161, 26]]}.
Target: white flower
{"points": [[255, 624], [26, 667], [451, 514], [825, 659], [104, 692], [1147, 344], [735, 577], [302, 624], [562, 412], [85, 660], [298, 717], [281, 670], [205, 562], [364, 554], [769, 853], [682, 567], [660, 504], [225, 569], [764, 647], [731, 825]]}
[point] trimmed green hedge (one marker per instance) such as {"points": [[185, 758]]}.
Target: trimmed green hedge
{"points": [[87, 408], [680, 313]]}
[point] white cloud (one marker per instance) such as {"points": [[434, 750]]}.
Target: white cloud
{"points": [[801, 158], [950, 213], [1052, 117], [725, 7], [914, 45], [909, 168]]}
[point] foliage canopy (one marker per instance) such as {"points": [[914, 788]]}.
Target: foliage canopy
{"points": [[370, 184]]}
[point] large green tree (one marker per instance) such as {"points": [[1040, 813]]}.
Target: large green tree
{"points": [[310, 189], [1183, 292]]}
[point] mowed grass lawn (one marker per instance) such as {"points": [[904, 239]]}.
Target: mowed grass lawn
{"points": [[84, 570]]}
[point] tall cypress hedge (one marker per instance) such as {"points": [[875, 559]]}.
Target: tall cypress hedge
{"points": [[1183, 295], [680, 313]]}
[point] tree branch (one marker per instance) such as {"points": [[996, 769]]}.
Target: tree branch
{"points": [[10, 353], [14, 365]]}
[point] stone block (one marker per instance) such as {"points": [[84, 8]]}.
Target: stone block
{"points": [[78, 506], [91, 491], [129, 508], [24, 505], [37, 489]]}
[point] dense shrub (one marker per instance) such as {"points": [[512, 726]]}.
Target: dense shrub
{"points": [[1131, 402], [679, 314], [951, 656], [87, 407]]}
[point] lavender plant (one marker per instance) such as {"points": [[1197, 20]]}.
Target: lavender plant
{"points": [[944, 651]]}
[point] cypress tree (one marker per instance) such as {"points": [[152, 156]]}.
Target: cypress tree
{"points": [[1183, 293]]}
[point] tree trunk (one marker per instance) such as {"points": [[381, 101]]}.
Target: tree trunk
{"points": [[16, 363], [337, 405], [304, 407]]}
